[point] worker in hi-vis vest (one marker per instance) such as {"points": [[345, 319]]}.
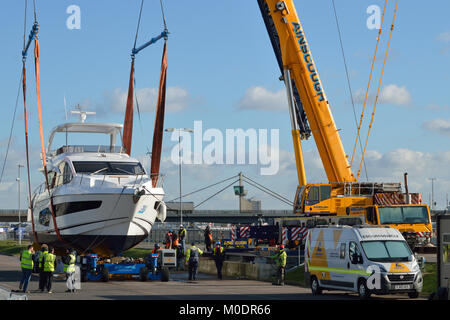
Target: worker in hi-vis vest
{"points": [[182, 233], [280, 260], [192, 259], [41, 255], [49, 267], [69, 270], [26, 263]]}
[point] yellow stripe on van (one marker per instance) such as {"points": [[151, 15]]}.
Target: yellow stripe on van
{"points": [[338, 270], [336, 237]]}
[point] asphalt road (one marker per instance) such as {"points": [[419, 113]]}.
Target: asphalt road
{"points": [[205, 288]]}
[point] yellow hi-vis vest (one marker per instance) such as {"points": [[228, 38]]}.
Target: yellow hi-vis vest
{"points": [[281, 258], [70, 268], [183, 233], [49, 262], [41, 256], [26, 262]]}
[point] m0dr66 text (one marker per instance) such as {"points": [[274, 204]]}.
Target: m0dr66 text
{"points": [[246, 309]]}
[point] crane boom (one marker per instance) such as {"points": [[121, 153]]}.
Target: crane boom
{"points": [[342, 198], [297, 58]]}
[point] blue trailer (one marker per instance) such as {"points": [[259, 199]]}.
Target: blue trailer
{"points": [[156, 267]]}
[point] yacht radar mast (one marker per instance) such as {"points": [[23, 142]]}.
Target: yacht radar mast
{"points": [[83, 114]]}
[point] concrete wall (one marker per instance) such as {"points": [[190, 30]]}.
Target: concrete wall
{"points": [[6, 294], [234, 269]]}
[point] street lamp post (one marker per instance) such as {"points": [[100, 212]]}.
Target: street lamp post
{"points": [[179, 157], [18, 193], [432, 192]]}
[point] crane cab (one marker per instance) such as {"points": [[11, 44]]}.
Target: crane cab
{"points": [[329, 199]]}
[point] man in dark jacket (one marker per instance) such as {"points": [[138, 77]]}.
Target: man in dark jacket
{"points": [[169, 239], [219, 258], [49, 267], [40, 269], [208, 238]]}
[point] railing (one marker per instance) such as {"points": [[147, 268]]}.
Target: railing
{"points": [[369, 188], [88, 148]]}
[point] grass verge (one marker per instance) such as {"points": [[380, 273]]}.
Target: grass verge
{"points": [[137, 253], [296, 276], [429, 279], [12, 247]]}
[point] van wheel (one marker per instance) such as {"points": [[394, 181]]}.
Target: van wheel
{"points": [[413, 295], [315, 288], [363, 292]]}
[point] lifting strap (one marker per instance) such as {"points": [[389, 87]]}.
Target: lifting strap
{"points": [[24, 89], [128, 122], [158, 129], [44, 157]]}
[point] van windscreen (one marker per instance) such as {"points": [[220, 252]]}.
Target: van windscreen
{"points": [[386, 251]]}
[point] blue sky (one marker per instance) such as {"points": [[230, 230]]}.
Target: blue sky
{"points": [[218, 53]]}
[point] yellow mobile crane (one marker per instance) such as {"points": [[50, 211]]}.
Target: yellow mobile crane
{"points": [[378, 203]]}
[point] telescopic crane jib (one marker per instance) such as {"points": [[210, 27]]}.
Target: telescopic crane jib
{"points": [[378, 203]]}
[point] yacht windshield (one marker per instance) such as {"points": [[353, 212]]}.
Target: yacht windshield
{"points": [[108, 168], [386, 251], [403, 214]]}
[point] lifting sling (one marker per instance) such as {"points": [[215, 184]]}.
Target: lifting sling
{"points": [[159, 120], [160, 105]]}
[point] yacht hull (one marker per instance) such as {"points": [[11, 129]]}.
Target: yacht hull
{"points": [[103, 223]]}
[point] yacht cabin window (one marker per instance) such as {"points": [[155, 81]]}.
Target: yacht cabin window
{"points": [[108, 168]]}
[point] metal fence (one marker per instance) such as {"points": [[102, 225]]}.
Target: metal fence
{"points": [[195, 232], [13, 236]]}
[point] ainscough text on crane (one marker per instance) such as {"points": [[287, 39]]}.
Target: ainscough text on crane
{"points": [[308, 60]]}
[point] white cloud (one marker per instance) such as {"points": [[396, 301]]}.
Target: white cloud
{"points": [[439, 125], [390, 94], [393, 94], [420, 166], [177, 99], [444, 37], [436, 107], [262, 99]]}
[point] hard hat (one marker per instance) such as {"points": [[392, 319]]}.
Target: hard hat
{"points": [[156, 245], [218, 243], [281, 246], [181, 226], [170, 230]]}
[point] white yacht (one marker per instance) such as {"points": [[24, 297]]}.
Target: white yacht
{"points": [[103, 199]]}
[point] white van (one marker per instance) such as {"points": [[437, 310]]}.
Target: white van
{"points": [[363, 259]]}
